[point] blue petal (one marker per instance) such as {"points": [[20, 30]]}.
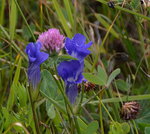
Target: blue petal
{"points": [[38, 45], [79, 39], [82, 53], [69, 70], [69, 46], [88, 45], [71, 91], [77, 47], [34, 75], [41, 57], [30, 51], [34, 54], [30, 48], [31, 58]]}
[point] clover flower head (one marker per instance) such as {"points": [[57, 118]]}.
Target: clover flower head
{"points": [[76, 46], [71, 73], [36, 57], [52, 40]]}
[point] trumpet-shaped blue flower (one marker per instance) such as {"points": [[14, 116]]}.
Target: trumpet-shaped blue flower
{"points": [[71, 73], [36, 57], [76, 46]]}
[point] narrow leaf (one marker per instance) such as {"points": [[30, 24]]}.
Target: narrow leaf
{"points": [[62, 18], [92, 128], [12, 19], [112, 76], [94, 79], [102, 74]]}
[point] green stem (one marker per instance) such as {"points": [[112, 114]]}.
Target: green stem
{"points": [[136, 130], [100, 113], [34, 112], [125, 98], [107, 111]]}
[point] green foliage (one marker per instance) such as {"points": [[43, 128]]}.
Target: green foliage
{"points": [[14, 86], [92, 128], [123, 29], [122, 85], [135, 4], [2, 8], [112, 76], [117, 128], [13, 19], [62, 18], [147, 130], [101, 78]]}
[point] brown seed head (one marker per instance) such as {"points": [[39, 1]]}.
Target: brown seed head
{"points": [[130, 110]]}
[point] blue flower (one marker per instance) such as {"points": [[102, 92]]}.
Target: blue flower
{"points": [[71, 73], [36, 57], [76, 47]]}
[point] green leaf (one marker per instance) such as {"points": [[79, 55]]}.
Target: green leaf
{"points": [[48, 84], [122, 85], [94, 79], [50, 110], [12, 19], [125, 127], [147, 130], [117, 128], [112, 76], [87, 65], [82, 124], [50, 90], [22, 95], [92, 128], [102, 74]]}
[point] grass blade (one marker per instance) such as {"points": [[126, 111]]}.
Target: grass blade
{"points": [[69, 12], [62, 18], [12, 19], [2, 7]]}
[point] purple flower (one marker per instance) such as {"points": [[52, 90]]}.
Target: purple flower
{"points": [[52, 40], [76, 46], [71, 73], [36, 57]]}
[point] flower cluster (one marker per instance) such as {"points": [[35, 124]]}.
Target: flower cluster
{"points": [[52, 40], [71, 71], [130, 110]]}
